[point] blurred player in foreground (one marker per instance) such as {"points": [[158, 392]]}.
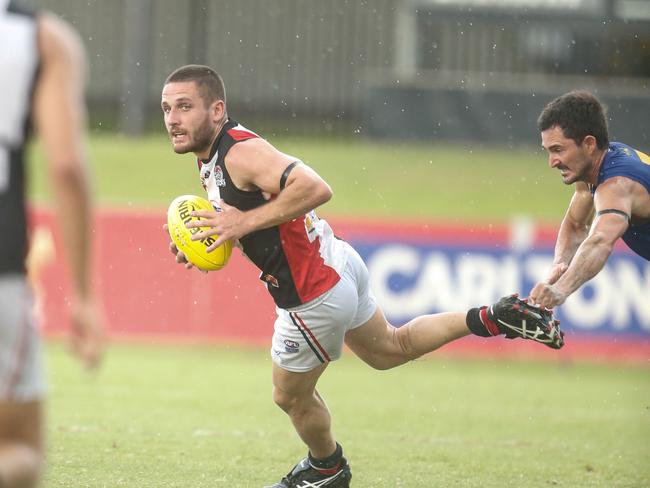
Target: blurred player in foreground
{"points": [[266, 201], [611, 199], [42, 70]]}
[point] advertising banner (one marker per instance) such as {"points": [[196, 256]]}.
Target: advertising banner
{"points": [[414, 278], [415, 268]]}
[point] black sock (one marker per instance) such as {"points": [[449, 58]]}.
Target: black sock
{"points": [[330, 462], [480, 324]]}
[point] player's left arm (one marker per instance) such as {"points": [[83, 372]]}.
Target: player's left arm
{"points": [[613, 205], [256, 164]]}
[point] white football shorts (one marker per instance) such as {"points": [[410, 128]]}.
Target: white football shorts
{"points": [[312, 334], [21, 364]]}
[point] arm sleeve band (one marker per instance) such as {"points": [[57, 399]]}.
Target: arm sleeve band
{"points": [[614, 211], [285, 175]]}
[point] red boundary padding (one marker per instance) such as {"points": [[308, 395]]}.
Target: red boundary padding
{"points": [[147, 295]]}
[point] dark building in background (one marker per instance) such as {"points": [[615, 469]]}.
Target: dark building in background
{"points": [[478, 70]]}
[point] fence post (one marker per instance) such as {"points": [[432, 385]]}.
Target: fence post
{"points": [[406, 39], [199, 31], [137, 66]]}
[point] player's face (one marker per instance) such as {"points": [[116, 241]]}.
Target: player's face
{"points": [[190, 124], [571, 159]]}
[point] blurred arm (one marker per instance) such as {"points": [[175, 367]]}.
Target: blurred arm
{"points": [[59, 116]]}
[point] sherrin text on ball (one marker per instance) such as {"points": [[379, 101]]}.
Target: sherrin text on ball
{"points": [[178, 215]]}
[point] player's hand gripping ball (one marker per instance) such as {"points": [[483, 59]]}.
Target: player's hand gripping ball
{"points": [[195, 251]]}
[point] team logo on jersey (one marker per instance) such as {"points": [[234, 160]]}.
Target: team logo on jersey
{"points": [[218, 176], [291, 346], [310, 225], [204, 179], [270, 279], [204, 173]]}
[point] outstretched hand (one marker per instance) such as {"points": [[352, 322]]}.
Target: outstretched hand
{"points": [[547, 295], [557, 270], [227, 223]]}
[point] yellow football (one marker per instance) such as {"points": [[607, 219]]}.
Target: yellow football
{"points": [[195, 251]]}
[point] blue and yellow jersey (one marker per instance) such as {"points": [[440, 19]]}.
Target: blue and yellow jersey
{"points": [[622, 160]]}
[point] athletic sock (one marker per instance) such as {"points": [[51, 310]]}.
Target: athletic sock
{"points": [[330, 464], [480, 324]]}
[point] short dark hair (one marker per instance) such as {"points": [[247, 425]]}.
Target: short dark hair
{"points": [[579, 114], [209, 83]]}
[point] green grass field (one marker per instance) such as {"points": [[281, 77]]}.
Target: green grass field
{"points": [[196, 416], [201, 416]]}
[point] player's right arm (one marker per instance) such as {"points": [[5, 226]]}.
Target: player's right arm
{"points": [[255, 164], [613, 200], [573, 231], [59, 117]]}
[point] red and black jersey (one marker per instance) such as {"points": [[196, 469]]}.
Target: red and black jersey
{"points": [[299, 260], [18, 70]]}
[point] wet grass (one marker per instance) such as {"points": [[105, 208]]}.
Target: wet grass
{"points": [[202, 416]]}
